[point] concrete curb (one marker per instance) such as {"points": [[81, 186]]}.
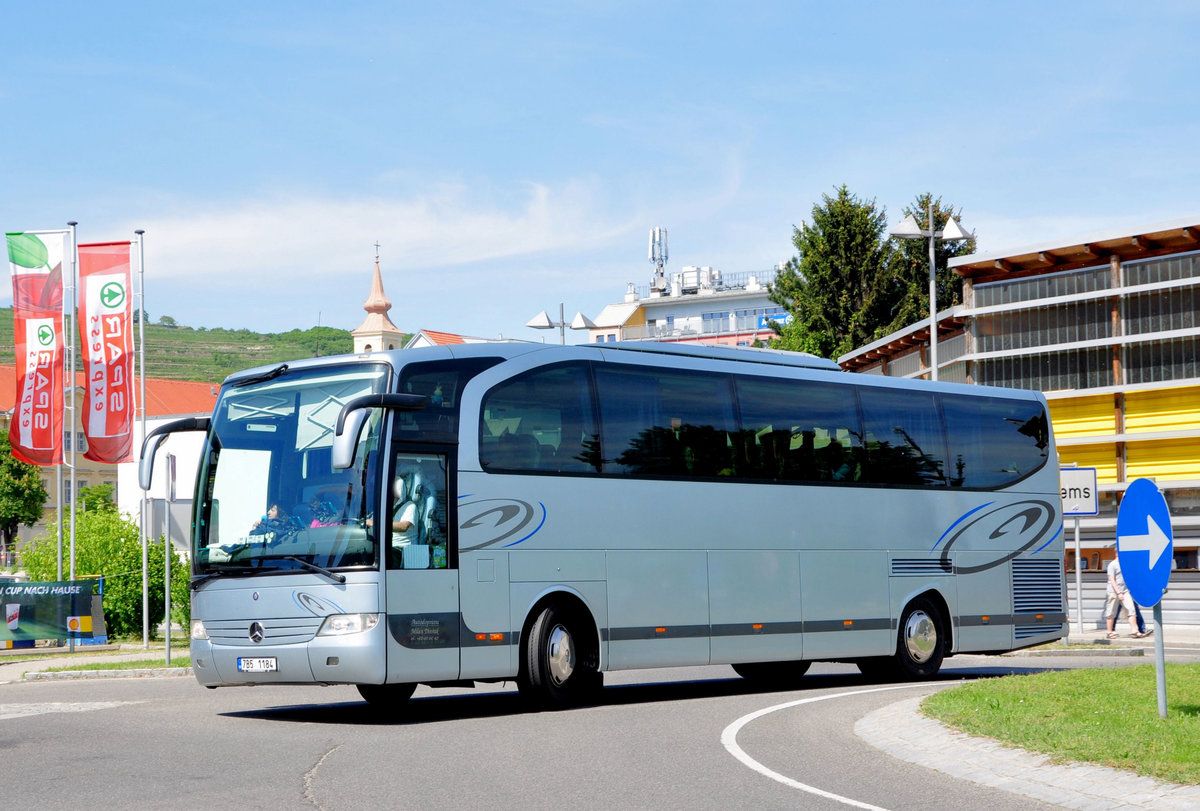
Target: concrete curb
{"points": [[139, 673], [1081, 652], [904, 733]]}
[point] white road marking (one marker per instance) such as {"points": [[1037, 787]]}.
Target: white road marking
{"points": [[729, 740]]}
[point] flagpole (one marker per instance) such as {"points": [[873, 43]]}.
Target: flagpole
{"points": [[141, 297], [58, 512], [69, 343]]}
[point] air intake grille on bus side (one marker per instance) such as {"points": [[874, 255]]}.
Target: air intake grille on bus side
{"points": [[920, 566], [1037, 589]]}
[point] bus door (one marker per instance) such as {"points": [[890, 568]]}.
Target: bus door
{"points": [[421, 566]]}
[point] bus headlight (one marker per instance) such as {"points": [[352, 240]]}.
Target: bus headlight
{"points": [[341, 624], [198, 630]]}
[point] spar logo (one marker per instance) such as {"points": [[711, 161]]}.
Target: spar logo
{"points": [[1009, 530], [112, 295], [490, 521]]}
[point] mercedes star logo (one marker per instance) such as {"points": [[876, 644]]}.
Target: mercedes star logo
{"points": [[256, 632]]}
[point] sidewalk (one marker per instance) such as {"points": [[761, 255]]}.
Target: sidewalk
{"points": [[29, 663], [1174, 636]]}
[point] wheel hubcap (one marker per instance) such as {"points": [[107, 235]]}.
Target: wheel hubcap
{"points": [[560, 655], [920, 636]]}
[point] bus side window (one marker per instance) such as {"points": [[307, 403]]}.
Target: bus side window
{"points": [[541, 421], [791, 427], [666, 423], [905, 437]]}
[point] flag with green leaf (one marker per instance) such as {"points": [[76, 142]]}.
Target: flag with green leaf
{"points": [[36, 259]]}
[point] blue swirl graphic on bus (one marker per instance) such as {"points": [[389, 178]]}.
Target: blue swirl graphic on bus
{"points": [[501, 519], [317, 606], [1016, 527]]}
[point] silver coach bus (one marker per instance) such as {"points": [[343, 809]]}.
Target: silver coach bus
{"points": [[542, 513]]}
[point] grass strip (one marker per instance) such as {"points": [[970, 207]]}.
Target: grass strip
{"points": [[130, 664], [1107, 716]]}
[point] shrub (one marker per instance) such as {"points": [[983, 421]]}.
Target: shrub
{"points": [[108, 544]]}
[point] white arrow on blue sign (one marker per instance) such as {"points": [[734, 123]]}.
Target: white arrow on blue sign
{"points": [[1144, 541]]}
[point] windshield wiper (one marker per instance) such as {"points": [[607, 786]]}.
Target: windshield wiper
{"points": [[312, 567], [271, 375], [233, 571]]}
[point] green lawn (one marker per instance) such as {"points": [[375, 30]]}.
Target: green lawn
{"points": [[1107, 716], [128, 664]]}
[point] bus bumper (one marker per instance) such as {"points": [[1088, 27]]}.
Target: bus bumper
{"points": [[349, 659]]}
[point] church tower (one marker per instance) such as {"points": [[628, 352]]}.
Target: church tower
{"points": [[377, 332]]}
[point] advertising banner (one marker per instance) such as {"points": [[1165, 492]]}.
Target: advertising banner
{"points": [[106, 335], [36, 260], [55, 610]]}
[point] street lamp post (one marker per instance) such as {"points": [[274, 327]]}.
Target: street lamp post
{"points": [[909, 229], [542, 321]]}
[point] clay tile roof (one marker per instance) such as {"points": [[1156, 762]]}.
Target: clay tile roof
{"points": [[442, 338], [163, 397]]}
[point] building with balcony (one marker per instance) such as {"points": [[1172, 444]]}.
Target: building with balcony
{"points": [[700, 305], [1108, 326]]}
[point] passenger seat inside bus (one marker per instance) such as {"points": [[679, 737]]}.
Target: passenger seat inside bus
{"points": [[516, 452]]}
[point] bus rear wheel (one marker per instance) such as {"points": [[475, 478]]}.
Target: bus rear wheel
{"points": [[920, 646], [559, 666], [772, 674], [389, 698]]}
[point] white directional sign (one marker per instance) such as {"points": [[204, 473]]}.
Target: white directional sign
{"points": [[1079, 496]]}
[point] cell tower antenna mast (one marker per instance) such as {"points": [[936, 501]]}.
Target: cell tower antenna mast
{"points": [[658, 257]]}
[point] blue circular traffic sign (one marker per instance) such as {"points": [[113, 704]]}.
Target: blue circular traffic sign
{"points": [[1144, 541]]}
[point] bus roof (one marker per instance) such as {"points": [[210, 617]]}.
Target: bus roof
{"points": [[742, 354], [511, 349]]}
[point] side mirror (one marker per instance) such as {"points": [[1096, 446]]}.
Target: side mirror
{"points": [[354, 413], [154, 439]]}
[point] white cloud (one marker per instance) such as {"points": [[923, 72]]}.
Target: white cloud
{"points": [[292, 237]]}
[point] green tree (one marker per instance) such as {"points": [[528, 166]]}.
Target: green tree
{"points": [[837, 286], [108, 544], [910, 267], [22, 497], [99, 498]]}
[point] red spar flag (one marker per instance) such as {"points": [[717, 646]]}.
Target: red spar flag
{"points": [[106, 334], [36, 260]]}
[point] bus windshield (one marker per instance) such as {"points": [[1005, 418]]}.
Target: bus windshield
{"points": [[268, 497]]}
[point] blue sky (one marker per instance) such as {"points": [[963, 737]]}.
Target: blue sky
{"points": [[509, 156]]}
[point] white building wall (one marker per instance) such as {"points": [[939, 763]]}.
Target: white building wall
{"points": [[184, 447]]}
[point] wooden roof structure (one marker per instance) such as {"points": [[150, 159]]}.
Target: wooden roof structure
{"points": [[1177, 236]]}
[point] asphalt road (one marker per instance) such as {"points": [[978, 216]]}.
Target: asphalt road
{"points": [[655, 741]]}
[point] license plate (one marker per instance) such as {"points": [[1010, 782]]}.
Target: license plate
{"points": [[260, 664]]}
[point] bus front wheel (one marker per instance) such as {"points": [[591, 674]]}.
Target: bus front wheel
{"points": [[389, 698], [559, 667], [920, 645]]}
